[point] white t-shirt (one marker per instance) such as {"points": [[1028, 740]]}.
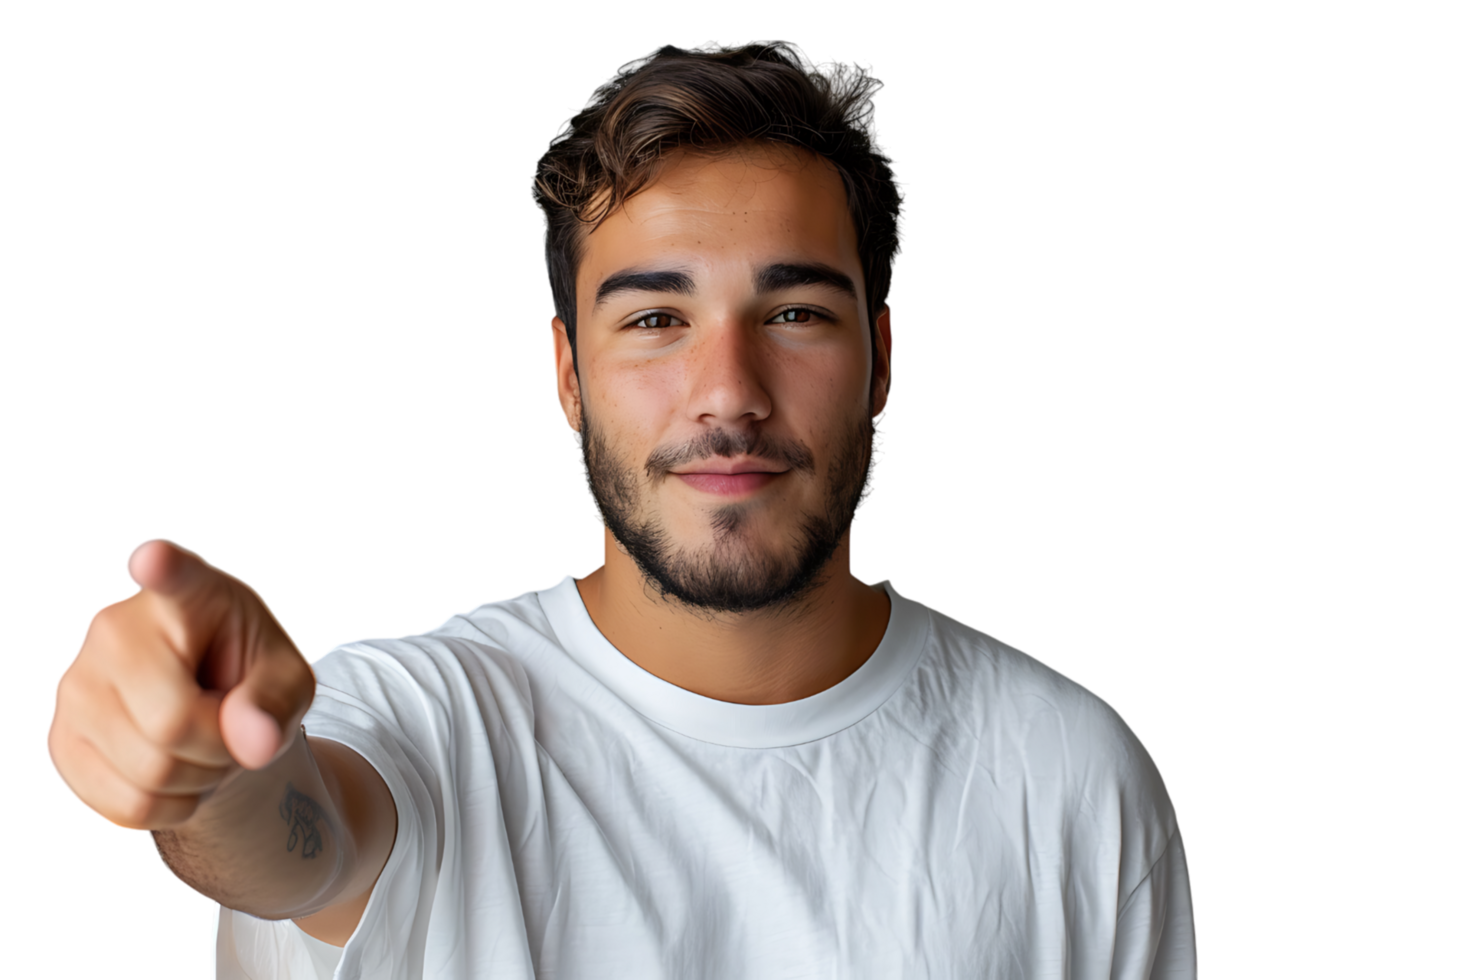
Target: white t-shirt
{"points": [[951, 809]]}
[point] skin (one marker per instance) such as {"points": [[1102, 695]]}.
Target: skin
{"points": [[743, 600]]}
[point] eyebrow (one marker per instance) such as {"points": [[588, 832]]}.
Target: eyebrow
{"points": [[645, 281], [785, 275], [769, 279]]}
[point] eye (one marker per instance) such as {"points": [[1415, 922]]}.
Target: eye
{"points": [[656, 321], [797, 315], [653, 322]]}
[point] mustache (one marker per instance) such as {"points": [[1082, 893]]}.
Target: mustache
{"points": [[726, 444], [776, 454]]}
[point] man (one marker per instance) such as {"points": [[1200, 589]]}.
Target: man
{"points": [[719, 754]]}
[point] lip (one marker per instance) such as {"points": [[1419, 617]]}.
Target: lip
{"points": [[728, 484], [730, 466]]}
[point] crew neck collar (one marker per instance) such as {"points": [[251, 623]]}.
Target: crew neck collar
{"points": [[750, 726]]}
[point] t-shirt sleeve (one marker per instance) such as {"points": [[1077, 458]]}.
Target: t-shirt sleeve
{"points": [[1129, 827], [405, 707], [1154, 939]]}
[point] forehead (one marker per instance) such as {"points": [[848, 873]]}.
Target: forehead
{"points": [[741, 209]]}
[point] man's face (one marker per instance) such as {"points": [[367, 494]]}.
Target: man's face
{"points": [[726, 375]]}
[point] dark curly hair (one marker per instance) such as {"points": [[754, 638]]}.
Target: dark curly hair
{"points": [[708, 99]]}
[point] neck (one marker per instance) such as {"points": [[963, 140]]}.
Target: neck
{"points": [[763, 657]]}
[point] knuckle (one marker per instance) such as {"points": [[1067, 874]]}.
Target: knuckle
{"points": [[69, 690], [102, 641], [167, 725], [76, 769], [133, 807], [104, 621], [56, 745], [153, 769], [62, 691]]}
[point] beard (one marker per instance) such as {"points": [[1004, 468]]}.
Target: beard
{"points": [[732, 574]]}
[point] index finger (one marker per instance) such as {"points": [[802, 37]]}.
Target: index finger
{"points": [[163, 567], [183, 573]]}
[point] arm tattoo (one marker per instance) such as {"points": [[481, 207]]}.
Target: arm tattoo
{"points": [[303, 815]]}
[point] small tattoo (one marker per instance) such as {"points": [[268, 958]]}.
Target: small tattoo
{"points": [[303, 814]]}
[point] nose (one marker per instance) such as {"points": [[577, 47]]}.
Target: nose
{"points": [[727, 384]]}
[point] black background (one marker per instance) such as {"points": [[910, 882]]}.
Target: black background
{"points": [[318, 354]]}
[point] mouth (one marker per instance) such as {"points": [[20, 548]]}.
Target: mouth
{"points": [[727, 484]]}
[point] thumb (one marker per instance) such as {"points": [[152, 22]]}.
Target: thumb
{"points": [[260, 716]]}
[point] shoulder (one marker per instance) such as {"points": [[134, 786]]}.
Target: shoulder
{"points": [[1016, 686], [472, 659], [1065, 745], [1051, 720]]}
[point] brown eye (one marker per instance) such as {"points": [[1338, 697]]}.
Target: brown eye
{"points": [[655, 321], [794, 316]]}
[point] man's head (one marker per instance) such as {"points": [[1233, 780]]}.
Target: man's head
{"points": [[720, 231]]}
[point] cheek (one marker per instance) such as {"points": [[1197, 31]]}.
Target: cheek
{"points": [[635, 402], [825, 387]]}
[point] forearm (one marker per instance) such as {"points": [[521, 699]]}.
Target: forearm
{"points": [[306, 833]]}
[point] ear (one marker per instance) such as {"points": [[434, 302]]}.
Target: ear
{"points": [[882, 360], [568, 388]]}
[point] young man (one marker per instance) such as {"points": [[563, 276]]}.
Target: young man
{"points": [[718, 755]]}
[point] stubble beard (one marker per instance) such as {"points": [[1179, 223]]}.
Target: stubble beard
{"points": [[733, 574]]}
